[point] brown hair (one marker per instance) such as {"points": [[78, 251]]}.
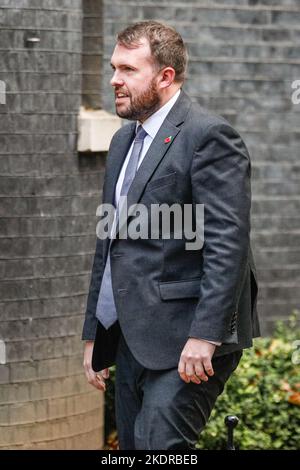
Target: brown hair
{"points": [[166, 44]]}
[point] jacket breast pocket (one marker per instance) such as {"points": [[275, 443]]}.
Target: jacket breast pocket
{"points": [[187, 288], [162, 181]]}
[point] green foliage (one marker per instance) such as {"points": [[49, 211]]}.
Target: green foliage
{"points": [[110, 418], [264, 393]]}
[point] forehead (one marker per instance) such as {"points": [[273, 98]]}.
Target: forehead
{"points": [[137, 55]]}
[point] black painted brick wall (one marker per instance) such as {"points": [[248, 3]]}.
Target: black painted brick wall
{"points": [[244, 56], [48, 199]]}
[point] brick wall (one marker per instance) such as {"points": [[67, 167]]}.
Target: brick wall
{"points": [[48, 199], [244, 55]]}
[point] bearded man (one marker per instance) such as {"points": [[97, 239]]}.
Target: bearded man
{"points": [[174, 321]]}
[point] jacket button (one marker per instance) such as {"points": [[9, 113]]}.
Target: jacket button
{"points": [[122, 291]]}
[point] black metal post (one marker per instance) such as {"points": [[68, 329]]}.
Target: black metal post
{"points": [[231, 422]]}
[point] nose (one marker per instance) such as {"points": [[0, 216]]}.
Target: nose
{"points": [[116, 80]]}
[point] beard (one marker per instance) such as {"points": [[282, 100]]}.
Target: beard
{"points": [[141, 106]]}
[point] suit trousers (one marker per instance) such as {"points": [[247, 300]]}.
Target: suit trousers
{"points": [[156, 409]]}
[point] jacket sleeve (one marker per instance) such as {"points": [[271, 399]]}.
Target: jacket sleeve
{"points": [[220, 175]]}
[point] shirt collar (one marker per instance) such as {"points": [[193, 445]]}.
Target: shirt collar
{"points": [[153, 123]]}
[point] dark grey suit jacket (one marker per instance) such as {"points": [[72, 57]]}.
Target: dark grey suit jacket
{"points": [[165, 294]]}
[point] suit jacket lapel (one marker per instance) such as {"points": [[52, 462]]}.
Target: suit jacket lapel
{"points": [[115, 160], [155, 154]]}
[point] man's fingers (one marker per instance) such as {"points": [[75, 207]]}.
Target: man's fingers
{"points": [[189, 369], [181, 371], [99, 385], [195, 379], [199, 371], [96, 383], [95, 380], [100, 381], [195, 372], [195, 361], [105, 373], [208, 367], [187, 373]]}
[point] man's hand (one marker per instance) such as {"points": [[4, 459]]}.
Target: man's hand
{"points": [[93, 378], [195, 361]]}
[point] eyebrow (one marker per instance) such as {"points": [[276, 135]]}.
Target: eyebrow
{"points": [[123, 65]]}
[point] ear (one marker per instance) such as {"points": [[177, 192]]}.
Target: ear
{"points": [[167, 77]]}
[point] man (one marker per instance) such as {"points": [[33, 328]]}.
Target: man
{"points": [[173, 320]]}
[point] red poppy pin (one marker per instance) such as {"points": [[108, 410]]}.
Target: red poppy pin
{"points": [[168, 139]]}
